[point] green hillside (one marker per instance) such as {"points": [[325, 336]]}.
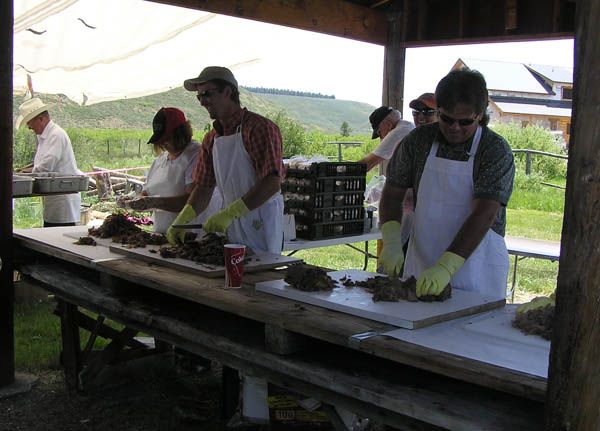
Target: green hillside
{"points": [[325, 115]]}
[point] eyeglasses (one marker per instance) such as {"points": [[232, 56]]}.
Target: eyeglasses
{"points": [[461, 122], [207, 93], [425, 112]]}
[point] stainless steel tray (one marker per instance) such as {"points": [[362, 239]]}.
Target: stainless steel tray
{"points": [[50, 182], [22, 185]]}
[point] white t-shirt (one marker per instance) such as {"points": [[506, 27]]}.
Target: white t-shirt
{"points": [[388, 145]]}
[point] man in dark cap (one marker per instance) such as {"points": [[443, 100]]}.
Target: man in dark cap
{"points": [[388, 125], [242, 157]]}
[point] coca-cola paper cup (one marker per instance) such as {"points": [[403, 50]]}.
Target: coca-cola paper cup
{"points": [[234, 264]]}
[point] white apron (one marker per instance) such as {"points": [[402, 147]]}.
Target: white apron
{"points": [[262, 228], [444, 201], [167, 178]]}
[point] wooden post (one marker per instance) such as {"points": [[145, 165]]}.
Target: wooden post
{"points": [[71, 352], [394, 59], [573, 389], [7, 287], [528, 157]]}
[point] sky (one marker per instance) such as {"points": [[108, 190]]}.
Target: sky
{"points": [[353, 70], [138, 47]]}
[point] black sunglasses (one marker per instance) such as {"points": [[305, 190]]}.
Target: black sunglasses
{"points": [[461, 122], [207, 93], [426, 112]]}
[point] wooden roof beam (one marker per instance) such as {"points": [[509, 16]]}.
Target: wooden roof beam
{"points": [[333, 17]]}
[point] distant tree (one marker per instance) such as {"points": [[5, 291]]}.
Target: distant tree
{"points": [[286, 92], [345, 130], [207, 127]]}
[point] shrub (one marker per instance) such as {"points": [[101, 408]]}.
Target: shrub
{"points": [[292, 133], [534, 138]]}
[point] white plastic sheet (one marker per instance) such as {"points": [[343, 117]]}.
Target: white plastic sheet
{"points": [[99, 50]]}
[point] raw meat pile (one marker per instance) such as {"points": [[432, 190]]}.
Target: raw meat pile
{"points": [[308, 278], [394, 290], [536, 322], [209, 250]]}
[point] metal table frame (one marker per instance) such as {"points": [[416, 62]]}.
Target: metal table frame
{"points": [[305, 244]]}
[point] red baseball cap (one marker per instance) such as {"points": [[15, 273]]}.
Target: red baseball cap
{"points": [[425, 100], [165, 121]]}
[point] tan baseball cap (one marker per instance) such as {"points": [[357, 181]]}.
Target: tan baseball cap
{"points": [[208, 74]]}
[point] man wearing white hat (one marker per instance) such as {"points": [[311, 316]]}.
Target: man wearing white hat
{"points": [[54, 153]]}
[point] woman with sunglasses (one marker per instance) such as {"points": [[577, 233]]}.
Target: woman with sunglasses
{"points": [[462, 175]]}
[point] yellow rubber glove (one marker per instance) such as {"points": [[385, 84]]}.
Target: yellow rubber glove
{"points": [[176, 235], [220, 221], [433, 280], [539, 302], [392, 256]]}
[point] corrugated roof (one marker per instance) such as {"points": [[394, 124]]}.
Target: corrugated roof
{"points": [[554, 73], [505, 76], [524, 108]]}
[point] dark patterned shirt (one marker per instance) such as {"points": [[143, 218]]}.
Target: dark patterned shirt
{"points": [[262, 140], [493, 169]]}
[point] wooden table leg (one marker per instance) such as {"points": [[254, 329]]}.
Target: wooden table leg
{"points": [[71, 351], [231, 392]]}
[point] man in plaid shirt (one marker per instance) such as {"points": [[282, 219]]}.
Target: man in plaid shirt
{"points": [[242, 156]]}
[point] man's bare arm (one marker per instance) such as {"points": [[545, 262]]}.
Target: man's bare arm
{"points": [[475, 227], [371, 160], [390, 203], [200, 198], [262, 191]]}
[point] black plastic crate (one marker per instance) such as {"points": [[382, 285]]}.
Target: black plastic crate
{"points": [[323, 200], [329, 230], [324, 185], [330, 169], [309, 216]]}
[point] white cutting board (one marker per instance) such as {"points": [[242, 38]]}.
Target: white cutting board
{"points": [[253, 263], [358, 302], [487, 337]]}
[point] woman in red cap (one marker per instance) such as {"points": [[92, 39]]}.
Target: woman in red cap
{"points": [[169, 180]]}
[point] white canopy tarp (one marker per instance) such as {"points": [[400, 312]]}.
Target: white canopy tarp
{"points": [[100, 50]]}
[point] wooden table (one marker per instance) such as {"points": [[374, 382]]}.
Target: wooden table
{"points": [[307, 349]]}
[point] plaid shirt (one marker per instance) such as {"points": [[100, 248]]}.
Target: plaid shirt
{"points": [[262, 140]]}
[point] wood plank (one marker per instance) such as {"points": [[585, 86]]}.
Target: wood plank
{"points": [[334, 17], [360, 382], [573, 391], [253, 263], [404, 314], [322, 324]]}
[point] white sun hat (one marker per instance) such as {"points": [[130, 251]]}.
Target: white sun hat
{"points": [[30, 109]]}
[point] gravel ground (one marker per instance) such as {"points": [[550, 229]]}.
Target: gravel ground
{"points": [[149, 394]]}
